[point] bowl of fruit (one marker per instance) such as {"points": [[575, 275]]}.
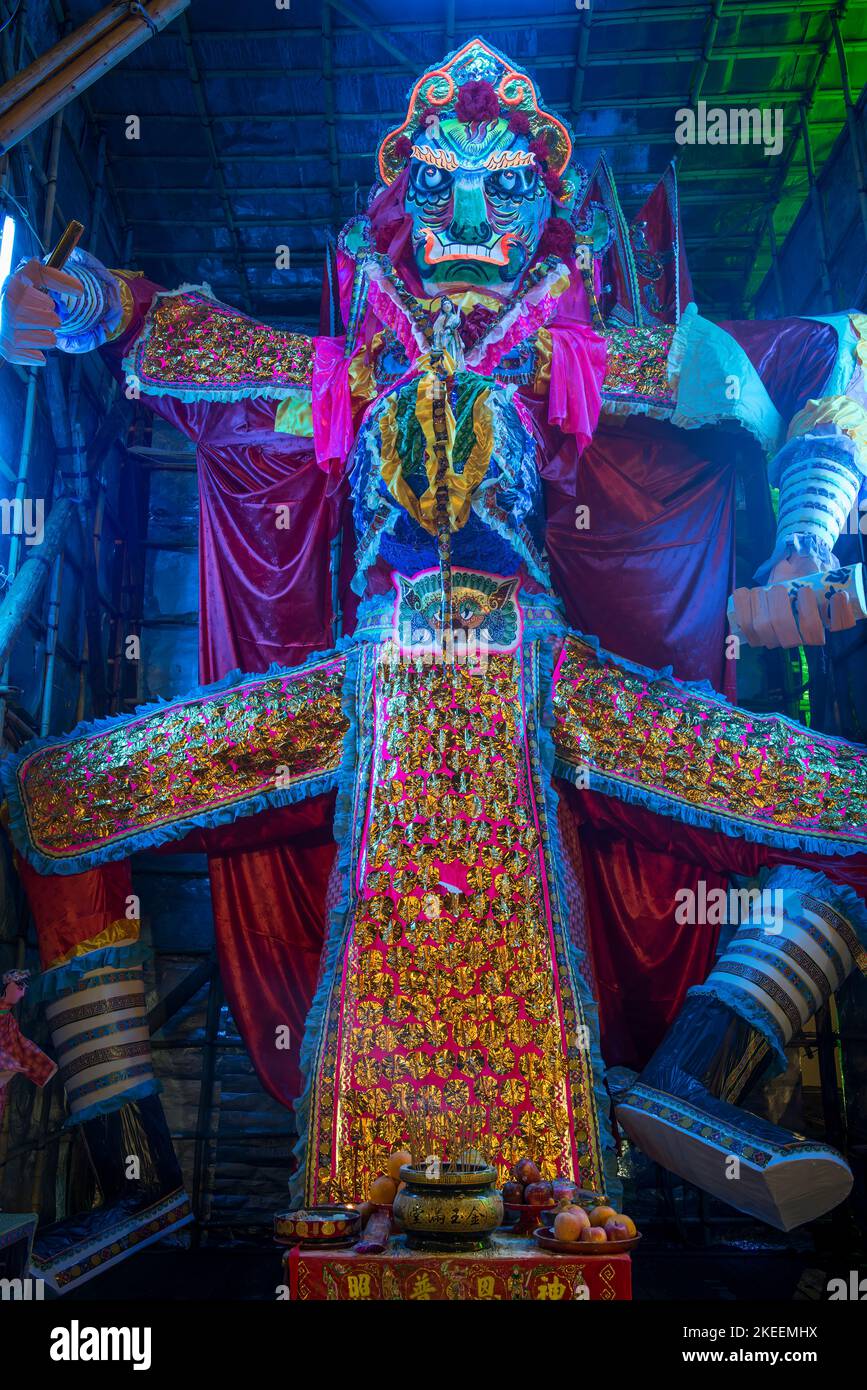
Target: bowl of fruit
{"points": [[529, 1199], [572, 1229]]}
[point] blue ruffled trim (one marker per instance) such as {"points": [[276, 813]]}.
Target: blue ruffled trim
{"points": [[576, 957], [53, 983], [747, 1008], [661, 673], [150, 839], [107, 1107], [348, 779], [210, 393], [703, 817]]}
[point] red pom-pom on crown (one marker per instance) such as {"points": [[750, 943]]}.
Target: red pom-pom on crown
{"points": [[519, 123], [430, 113], [554, 184], [540, 148], [477, 103], [557, 239]]}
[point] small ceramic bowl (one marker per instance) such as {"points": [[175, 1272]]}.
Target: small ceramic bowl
{"points": [[318, 1226]]}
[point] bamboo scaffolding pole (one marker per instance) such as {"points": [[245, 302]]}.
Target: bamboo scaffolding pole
{"points": [[52, 620], [818, 207], [581, 63], [52, 627], [26, 588], [43, 97], [775, 267], [69, 47]]}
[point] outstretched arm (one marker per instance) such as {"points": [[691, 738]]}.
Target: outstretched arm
{"points": [[183, 351], [820, 472], [682, 752], [245, 745]]}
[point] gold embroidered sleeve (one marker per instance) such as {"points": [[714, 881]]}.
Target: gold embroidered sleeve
{"points": [[262, 742], [685, 753]]}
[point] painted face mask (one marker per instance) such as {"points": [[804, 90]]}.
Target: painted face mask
{"points": [[486, 167], [477, 202]]}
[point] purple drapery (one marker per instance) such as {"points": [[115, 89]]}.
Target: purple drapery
{"points": [[648, 566], [267, 516]]}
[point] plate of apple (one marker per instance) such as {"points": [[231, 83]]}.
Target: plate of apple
{"points": [[574, 1230], [528, 1198]]}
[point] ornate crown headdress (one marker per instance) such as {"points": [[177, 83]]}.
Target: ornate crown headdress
{"points": [[440, 91]]}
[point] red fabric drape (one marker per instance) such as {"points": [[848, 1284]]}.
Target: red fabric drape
{"points": [[710, 849], [265, 596], [644, 961], [77, 908], [269, 909]]}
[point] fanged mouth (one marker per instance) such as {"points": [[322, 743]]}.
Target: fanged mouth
{"points": [[436, 250]]}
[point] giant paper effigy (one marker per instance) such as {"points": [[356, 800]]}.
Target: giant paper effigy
{"points": [[454, 974]]}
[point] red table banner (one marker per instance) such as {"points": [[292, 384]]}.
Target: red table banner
{"points": [[513, 1269]]}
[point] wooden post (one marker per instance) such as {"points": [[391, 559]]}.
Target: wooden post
{"points": [[775, 267], [204, 1117], [44, 95]]}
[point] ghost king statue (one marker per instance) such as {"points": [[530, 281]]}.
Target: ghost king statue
{"points": [[512, 352]]}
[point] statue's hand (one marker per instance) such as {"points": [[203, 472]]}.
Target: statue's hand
{"points": [[29, 315], [770, 618]]}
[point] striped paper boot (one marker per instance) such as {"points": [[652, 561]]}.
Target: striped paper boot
{"points": [[770, 979], [100, 1031]]}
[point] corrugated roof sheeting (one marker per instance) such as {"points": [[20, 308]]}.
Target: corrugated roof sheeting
{"points": [[265, 85], [267, 98]]}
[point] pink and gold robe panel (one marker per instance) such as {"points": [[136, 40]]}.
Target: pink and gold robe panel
{"points": [[448, 989]]}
